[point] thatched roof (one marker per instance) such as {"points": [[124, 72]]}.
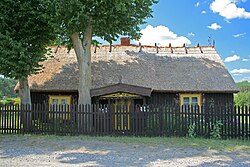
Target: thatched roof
{"points": [[174, 69]]}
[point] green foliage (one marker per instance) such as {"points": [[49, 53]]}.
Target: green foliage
{"points": [[7, 101], [80, 20], [191, 131], [26, 28], [244, 86], [10, 101], [108, 18], [242, 98], [7, 87], [216, 131]]}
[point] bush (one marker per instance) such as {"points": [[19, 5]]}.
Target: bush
{"points": [[242, 98], [215, 133], [10, 101], [191, 130]]}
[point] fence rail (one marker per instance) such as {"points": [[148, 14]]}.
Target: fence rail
{"points": [[151, 120]]}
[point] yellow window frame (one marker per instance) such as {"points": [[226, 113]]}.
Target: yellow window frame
{"points": [[59, 98], [190, 96]]}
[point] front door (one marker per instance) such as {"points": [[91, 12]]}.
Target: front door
{"points": [[121, 109]]}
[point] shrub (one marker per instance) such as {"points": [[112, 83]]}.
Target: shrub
{"points": [[191, 130], [215, 133]]}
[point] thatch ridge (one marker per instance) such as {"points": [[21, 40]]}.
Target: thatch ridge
{"points": [[188, 69]]}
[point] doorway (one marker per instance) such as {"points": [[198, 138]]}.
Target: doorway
{"points": [[121, 110]]}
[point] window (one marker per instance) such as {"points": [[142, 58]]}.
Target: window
{"points": [[60, 105], [188, 100], [194, 101], [54, 101], [63, 101]]}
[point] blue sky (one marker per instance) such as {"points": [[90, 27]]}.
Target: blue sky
{"points": [[230, 20], [227, 22]]}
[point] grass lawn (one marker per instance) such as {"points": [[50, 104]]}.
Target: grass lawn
{"points": [[168, 142]]}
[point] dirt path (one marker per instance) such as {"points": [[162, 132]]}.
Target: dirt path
{"points": [[23, 151]]}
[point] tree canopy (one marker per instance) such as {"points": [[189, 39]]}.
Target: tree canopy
{"points": [[244, 86], [26, 28], [108, 18], [80, 20], [7, 87], [243, 97]]}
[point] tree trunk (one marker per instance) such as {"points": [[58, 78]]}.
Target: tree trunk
{"points": [[83, 54], [24, 91]]}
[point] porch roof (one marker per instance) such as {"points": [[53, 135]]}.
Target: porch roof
{"points": [[121, 88]]}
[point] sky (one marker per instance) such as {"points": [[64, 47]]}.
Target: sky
{"points": [[226, 22]]}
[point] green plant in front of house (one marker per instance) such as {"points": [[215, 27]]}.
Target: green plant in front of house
{"points": [[191, 130], [216, 131]]}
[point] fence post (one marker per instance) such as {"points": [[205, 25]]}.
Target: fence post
{"points": [[27, 118]]}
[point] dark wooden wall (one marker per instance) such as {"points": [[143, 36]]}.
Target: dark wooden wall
{"points": [[218, 99], [155, 98], [163, 98], [208, 98], [43, 97]]}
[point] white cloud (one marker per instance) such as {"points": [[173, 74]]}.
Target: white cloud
{"points": [[237, 74], [214, 26], [239, 35], [232, 58], [240, 71], [203, 12], [246, 59], [191, 34], [197, 4], [228, 9], [162, 36]]}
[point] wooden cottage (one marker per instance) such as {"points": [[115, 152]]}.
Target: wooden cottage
{"points": [[132, 74]]}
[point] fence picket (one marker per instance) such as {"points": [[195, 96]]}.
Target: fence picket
{"points": [[152, 120]]}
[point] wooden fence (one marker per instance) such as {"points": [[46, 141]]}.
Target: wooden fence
{"points": [[151, 120]]}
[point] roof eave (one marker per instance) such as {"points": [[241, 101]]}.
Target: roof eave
{"points": [[198, 91]]}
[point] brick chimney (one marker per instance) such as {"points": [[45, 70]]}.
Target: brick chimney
{"points": [[125, 41]]}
